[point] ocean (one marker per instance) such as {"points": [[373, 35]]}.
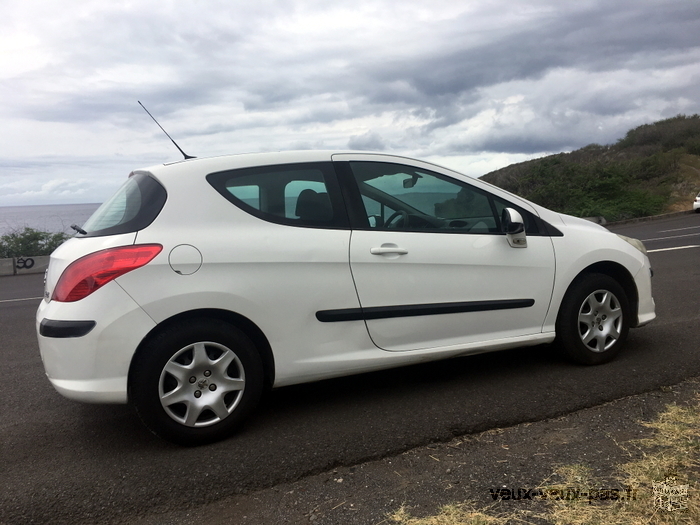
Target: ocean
{"points": [[53, 217]]}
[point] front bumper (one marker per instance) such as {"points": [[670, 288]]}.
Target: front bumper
{"points": [[646, 310]]}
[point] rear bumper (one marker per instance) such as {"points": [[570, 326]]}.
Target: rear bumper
{"points": [[91, 365], [105, 390], [62, 329]]}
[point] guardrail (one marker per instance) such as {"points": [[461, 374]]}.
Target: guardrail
{"points": [[22, 265]]}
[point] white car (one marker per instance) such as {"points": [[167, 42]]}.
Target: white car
{"points": [[202, 282], [696, 203]]}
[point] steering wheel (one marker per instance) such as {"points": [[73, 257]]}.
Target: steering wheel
{"points": [[397, 218]]}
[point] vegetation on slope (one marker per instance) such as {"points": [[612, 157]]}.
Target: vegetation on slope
{"points": [[653, 169]]}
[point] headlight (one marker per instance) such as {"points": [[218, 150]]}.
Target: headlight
{"points": [[634, 242]]}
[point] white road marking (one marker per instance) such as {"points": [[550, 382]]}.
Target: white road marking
{"points": [[674, 248], [679, 229], [672, 237], [23, 299]]}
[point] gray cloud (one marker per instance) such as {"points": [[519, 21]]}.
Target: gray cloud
{"points": [[454, 79], [369, 141]]}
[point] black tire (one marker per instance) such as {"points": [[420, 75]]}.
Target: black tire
{"points": [[593, 320], [196, 382]]}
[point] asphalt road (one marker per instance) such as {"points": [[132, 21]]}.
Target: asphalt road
{"points": [[65, 462]]}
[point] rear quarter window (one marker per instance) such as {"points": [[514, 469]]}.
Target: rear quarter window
{"points": [[304, 194], [133, 207]]}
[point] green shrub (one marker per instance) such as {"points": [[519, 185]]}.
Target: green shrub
{"points": [[30, 242], [693, 146]]}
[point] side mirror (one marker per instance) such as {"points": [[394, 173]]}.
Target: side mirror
{"points": [[512, 221], [514, 228]]}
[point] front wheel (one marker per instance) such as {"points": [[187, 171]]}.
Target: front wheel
{"points": [[195, 382], [593, 320]]}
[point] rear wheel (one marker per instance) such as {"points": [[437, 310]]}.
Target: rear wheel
{"points": [[194, 383], [594, 320]]}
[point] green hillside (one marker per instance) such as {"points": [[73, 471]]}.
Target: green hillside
{"points": [[654, 169]]}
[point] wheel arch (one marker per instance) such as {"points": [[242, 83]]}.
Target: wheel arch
{"points": [[248, 327], [621, 275]]}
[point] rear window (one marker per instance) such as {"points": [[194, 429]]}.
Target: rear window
{"points": [[135, 205]]}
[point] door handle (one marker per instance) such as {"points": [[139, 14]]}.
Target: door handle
{"points": [[388, 249]]}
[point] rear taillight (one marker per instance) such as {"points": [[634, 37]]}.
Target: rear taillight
{"points": [[89, 273]]}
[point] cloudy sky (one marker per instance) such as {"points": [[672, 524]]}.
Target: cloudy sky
{"points": [[473, 85]]}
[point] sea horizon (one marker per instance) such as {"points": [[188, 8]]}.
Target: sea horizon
{"points": [[53, 218]]}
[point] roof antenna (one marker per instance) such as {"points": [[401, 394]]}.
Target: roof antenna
{"points": [[161, 127]]}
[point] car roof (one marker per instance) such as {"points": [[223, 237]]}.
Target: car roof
{"points": [[242, 160], [247, 160]]}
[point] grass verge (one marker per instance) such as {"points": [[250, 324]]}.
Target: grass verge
{"points": [[660, 488]]}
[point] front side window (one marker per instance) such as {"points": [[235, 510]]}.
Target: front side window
{"points": [[293, 194], [406, 198], [133, 207]]}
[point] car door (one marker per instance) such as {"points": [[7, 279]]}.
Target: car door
{"points": [[286, 257], [431, 265]]}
